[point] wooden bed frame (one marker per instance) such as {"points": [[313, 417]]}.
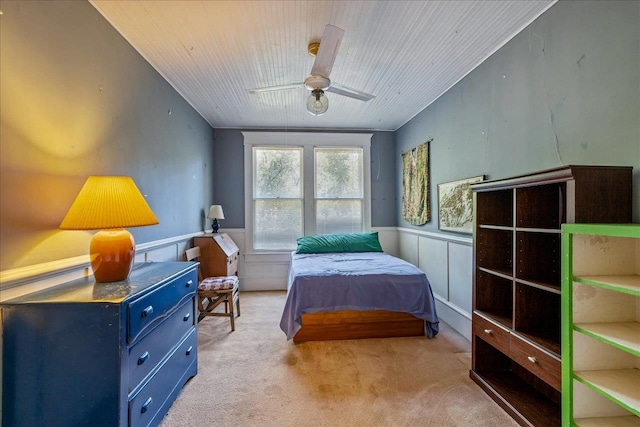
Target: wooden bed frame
{"points": [[353, 324]]}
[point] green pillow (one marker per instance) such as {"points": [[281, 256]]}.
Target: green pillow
{"points": [[353, 242]]}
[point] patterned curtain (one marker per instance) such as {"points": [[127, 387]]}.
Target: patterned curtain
{"points": [[415, 185]]}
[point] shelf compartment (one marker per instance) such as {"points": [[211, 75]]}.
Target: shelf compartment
{"points": [[526, 398], [593, 304], [523, 402], [592, 409], [595, 255], [620, 385], [494, 249], [494, 297], [538, 258], [543, 330], [606, 369], [623, 335], [495, 208], [541, 206], [591, 354]]}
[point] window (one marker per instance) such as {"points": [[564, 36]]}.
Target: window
{"points": [[277, 197], [339, 194], [304, 183]]}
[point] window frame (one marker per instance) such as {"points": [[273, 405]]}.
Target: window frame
{"points": [[308, 141]]}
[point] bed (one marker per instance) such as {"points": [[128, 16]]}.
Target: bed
{"points": [[355, 294]]}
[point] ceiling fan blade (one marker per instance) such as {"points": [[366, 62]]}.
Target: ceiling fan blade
{"points": [[328, 51], [276, 88], [347, 91]]}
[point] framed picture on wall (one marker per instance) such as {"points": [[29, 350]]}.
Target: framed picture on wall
{"points": [[455, 205]]}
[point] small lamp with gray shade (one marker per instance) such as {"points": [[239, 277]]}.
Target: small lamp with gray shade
{"points": [[215, 213]]}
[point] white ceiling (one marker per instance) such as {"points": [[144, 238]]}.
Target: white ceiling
{"points": [[406, 53]]}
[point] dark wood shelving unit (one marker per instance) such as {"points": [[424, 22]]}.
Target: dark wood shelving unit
{"points": [[517, 279]]}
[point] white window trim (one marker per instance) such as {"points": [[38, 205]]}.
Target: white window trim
{"points": [[308, 140]]}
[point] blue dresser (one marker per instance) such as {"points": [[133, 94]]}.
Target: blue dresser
{"points": [[100, 354]]}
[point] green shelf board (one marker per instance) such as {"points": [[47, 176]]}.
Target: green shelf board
{"points": [[629, 284], [629, 421], [613, 230], [625, 336]]}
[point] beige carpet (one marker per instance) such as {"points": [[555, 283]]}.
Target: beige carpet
{"points": [[255, 377]]}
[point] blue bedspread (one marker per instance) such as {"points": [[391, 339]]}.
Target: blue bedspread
{"points": [[356, 281]]}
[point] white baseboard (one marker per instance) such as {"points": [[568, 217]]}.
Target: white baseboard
{"points": [[266, 284], [454, 317]]}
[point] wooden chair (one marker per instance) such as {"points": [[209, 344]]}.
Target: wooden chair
{"points": [[213, 291]]}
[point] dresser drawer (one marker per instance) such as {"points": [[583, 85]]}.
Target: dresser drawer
{"points": [[144, 407], [152, 349], [543, 365], [491, 332], [151, 309]]}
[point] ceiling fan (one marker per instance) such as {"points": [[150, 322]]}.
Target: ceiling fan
{"points": [[318, 82]]}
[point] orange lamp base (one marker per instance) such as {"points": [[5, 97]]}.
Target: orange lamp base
{"points": [[112, 252]]}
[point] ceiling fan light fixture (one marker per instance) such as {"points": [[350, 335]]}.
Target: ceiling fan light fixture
{"points": [[317, 103], [317, 82]]}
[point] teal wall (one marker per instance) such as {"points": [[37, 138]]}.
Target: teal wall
{"points": [[78, 100], [564, 91], [229, 177]]}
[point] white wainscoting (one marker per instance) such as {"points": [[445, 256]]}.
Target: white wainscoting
{"points": [[448, 262], [21, 281]]}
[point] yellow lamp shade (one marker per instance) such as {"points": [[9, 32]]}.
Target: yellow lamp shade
{"points": [[109, 203]]}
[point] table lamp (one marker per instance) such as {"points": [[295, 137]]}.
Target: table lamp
{"points": [[215, 213], [109, 204]]}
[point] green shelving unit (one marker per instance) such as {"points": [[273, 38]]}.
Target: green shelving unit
{"points": [[600, 325]]}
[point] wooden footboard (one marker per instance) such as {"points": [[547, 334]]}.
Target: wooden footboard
{"points": [[353, 324]]}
